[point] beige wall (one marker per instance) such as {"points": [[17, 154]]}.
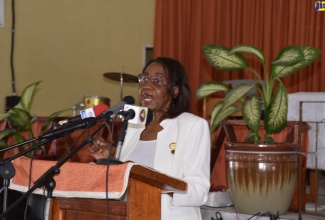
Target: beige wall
{"points": [[69, 44]]}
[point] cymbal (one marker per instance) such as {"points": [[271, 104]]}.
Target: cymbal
{"points": [[126, 77]]}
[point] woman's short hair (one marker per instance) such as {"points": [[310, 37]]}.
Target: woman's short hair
{"points": [[176, 77]]}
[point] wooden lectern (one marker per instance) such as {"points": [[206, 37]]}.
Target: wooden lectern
{"points": [[144, 190], [80, 189]]}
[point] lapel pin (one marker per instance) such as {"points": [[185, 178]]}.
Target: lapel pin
{"points": [[172, 147]]}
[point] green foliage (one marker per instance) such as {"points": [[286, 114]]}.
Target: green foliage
{"points": [[273, 98], [21, 119]]}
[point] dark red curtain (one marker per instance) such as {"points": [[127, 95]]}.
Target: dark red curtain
{"points": [[182, 27]]}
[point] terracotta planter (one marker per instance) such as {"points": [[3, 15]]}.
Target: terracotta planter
{"points": [[261, 178]]}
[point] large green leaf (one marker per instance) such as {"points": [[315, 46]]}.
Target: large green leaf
{"points": [[222, 114], [208, 88], [18, 137], [235, 94], [3, 144], [310, 55], [4, 116], [276, 112], [7, 132], [10, 132], [252, 113], [221, 58], [52, 117], [253, 137], [214, 112], [27, 97], [249, 50], [289, 56], [20, 118]]}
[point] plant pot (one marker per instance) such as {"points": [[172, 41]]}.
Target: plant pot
{"points": [[261, 178]]}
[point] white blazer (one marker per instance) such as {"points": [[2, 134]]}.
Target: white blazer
{"points": [[190, 162]]}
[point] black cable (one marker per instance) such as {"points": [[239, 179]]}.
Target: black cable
{"points": [[76, 140], [31, 169], [12, 47], [29, 183], [108, 165], [12, 101], [218, 216], [44, 200], [259, 214]]}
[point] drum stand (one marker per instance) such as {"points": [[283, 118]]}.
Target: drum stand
{"points": [[121, 85], [76, 106]]}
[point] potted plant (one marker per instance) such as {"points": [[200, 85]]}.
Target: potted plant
{"points": [[271, 98], [21, 120]]}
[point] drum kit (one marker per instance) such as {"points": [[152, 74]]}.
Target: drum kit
{"points": [[121, 77], [90, 101]]}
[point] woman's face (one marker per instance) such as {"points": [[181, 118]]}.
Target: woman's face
{"points": [[153, 90]]}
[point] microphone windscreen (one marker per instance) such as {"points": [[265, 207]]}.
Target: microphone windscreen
{"points": [[129, 100], [94, 111], [98, 109]]}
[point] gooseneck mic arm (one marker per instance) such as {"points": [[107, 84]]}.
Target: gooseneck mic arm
{"points": [[65, 130], [128, 115], [19, 144], [120, 139], [7, 170]]}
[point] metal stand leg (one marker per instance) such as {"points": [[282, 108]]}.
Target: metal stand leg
{"points": [[121, 80], [5, 195]]}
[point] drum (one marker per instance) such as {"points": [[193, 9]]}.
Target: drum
{"points": [[90, 101]]}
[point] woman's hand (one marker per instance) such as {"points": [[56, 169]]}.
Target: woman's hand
{"points": [[99, 148]]}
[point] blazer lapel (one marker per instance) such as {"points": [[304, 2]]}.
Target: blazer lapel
{"points": [[166, 141]]}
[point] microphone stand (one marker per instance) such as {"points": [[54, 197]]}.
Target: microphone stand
{"points": [[120, 142], [7, 170], [119, 145], [19, 144], [47, 179], [56, 133]]}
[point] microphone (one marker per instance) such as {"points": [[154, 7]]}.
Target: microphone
{"points": [[118, 107], [127, 115], [134, 115], [143, 115], [86, 113], [86, 123]]}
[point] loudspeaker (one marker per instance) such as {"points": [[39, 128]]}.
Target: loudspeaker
{"points": [[11, 101]]}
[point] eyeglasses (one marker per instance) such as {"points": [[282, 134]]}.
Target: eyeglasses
{"points": [[156, 80]]}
